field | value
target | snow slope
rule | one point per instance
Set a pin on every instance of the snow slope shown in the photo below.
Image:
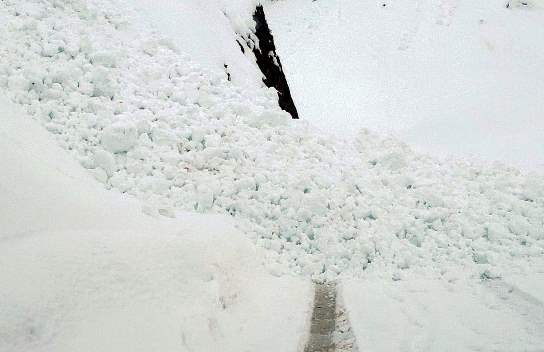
(82, 269)
(450, 77)
(206, 30)
(149, 122)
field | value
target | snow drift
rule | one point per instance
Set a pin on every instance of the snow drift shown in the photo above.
(83, 269)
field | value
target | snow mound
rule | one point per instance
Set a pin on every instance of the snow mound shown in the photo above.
(149, 122)
(83, 269)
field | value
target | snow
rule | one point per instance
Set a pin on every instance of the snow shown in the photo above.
(119, 137)
(83, 269)
(206, 29)
(428, 315)
(528, 279)
(430, 254)
(183, 137)
(449, 77)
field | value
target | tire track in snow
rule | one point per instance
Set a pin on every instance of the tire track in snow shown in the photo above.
(330, 330)
(521, 302)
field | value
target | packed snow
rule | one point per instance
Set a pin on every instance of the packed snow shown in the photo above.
(449, 77)
(429, 315)
(147, 121)
(82, 269)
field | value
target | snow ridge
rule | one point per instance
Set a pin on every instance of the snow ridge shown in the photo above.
(147, 121)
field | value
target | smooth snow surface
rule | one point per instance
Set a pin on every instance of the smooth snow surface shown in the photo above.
(206, 30)
(418, 314)
(529, 279)
(149, 122)
(82, 269)
(449, 77)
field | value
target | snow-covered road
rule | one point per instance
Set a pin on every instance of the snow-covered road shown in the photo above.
(429, 315)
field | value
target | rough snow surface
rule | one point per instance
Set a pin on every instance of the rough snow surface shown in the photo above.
(82, 269)
(147, 121)
(449, 77)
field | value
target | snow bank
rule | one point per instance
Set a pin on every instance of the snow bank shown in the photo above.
(83, 269)
(148, 122)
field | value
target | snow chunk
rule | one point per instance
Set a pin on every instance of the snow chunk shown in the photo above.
(105, 160)
(119, 137)
(204, 198)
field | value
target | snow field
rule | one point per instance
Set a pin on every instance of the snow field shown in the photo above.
(147, 121)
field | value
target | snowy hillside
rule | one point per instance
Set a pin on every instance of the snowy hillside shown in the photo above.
(149, 122)
(450, 77)
(185, 203)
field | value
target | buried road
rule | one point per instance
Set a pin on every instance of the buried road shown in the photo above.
(330, 329)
